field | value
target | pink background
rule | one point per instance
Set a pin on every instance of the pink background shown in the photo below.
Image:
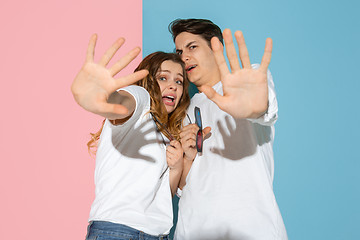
(46, 176)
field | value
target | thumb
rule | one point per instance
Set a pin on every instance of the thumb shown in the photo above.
(206, 132)
(130, 79)
(210, 94)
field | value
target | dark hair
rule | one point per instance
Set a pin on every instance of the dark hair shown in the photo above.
(203, 27)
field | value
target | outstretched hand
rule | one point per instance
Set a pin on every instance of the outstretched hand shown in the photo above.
(95, 83)
(245, 90)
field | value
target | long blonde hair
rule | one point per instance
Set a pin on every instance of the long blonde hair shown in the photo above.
(173, 121)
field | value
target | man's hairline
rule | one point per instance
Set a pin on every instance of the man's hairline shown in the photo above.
(208, 42)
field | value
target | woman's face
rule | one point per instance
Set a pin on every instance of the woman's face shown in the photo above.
(170, 79)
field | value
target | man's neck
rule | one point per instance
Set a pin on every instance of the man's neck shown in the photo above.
(210, 79)
(209, 83)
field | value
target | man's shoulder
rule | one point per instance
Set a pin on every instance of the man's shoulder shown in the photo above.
(198, 100)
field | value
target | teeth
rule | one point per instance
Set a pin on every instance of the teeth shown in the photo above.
(170, 97)
(191, 67)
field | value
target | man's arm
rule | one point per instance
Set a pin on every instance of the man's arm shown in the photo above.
(270, 116)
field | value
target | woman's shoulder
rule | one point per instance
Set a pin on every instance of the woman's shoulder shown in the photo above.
(140, 94)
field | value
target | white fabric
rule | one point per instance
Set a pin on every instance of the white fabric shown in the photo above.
(129, 162)
(229, 189)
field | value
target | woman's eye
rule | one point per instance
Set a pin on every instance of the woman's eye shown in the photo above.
(162, 78)
(179, 82)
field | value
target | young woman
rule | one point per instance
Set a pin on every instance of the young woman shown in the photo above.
(139, 159)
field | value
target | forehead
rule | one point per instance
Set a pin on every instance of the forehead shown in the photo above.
(185, 38)
(170, 66)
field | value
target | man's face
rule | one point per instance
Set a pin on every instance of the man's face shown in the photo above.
(199, 59)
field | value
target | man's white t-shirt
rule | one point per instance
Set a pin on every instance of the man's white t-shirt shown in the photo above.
(130, 160)
(229, 188)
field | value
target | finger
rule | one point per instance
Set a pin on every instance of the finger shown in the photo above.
(267, 56)
(175, 144)
(189, 136)
(169, 149)
(211, 94)
(111, 52)
(206, 131)
(129, 79)
(217, 48)
(91, 48)
(185, 139)
(124, 61)
(230, 50)
(243, 52)
(190, 143)
(169, 156)
(191, 130)
(171, 152)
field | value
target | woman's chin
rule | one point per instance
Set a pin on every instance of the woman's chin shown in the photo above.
(169, 109)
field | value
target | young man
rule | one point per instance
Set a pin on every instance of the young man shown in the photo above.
(227, 193)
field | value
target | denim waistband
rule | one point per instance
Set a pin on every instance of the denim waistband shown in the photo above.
(120, 228)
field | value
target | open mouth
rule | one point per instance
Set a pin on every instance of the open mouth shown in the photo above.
(190, 68)
(169, 98)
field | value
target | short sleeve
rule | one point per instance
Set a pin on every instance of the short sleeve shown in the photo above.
(142, 101)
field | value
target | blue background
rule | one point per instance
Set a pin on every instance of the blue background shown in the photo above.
(315, 65)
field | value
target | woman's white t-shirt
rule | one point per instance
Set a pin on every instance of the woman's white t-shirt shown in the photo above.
(130, 186)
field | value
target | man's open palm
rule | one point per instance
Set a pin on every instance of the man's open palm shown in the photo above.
(245, 90)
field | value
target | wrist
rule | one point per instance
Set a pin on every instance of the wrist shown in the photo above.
(177, 169)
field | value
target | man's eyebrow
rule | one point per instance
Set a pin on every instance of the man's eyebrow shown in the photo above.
(186, 46)
(190, 43)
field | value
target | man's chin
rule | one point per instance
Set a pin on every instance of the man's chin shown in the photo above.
(193, 79)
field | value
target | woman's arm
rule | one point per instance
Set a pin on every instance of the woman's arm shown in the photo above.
(125, 99)
(188, 143)
(174, 158)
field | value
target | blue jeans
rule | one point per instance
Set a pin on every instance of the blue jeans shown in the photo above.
(101, 230)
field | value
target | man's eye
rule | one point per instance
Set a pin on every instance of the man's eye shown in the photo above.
(179, 52)
(192, 47)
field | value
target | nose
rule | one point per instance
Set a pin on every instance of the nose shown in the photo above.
(172, 85)
(185, 57)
